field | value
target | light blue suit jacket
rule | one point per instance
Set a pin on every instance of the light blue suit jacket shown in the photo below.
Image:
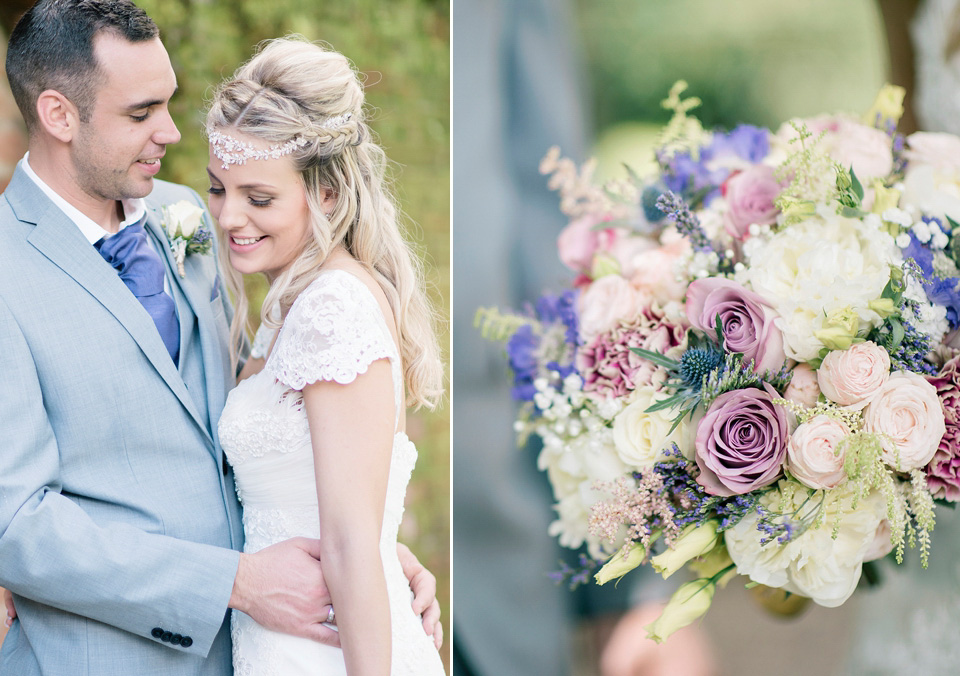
(118, 523)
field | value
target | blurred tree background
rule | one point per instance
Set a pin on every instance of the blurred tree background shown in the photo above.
(752, 61)
(401, 47)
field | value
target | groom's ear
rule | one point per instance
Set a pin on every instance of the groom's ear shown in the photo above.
(57, 115)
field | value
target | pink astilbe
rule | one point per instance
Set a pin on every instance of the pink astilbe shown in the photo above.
(645, 508)
(943, 472)
(609, 368)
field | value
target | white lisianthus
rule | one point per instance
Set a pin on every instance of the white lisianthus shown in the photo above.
(819, 267)
(641, 437)
(689, 602)
(695, 540)
(814, 563)
(182, 219)
(621, 563)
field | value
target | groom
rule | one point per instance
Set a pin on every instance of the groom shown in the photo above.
(119, 523)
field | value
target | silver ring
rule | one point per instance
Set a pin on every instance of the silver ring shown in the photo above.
(330, 616)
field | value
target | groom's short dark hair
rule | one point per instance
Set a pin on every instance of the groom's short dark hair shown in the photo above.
(51, 47)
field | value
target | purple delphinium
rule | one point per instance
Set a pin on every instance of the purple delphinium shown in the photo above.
(522, 356)
(525, 347)
(943, 291)
(744, 141)
(562, 308)
(701, 179)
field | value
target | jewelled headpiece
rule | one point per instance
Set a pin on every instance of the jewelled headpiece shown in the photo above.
(230, 150)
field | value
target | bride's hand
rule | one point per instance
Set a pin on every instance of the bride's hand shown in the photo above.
(11, 610)
(424, 586)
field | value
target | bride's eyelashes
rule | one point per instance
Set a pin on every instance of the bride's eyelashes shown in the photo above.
(265, 202)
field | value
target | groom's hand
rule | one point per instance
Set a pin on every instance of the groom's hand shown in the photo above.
(282, 588)
(11, 609)
(424, 586)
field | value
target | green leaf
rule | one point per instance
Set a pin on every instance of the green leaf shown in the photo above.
(896, 331)
(855, 185)
(655, 357)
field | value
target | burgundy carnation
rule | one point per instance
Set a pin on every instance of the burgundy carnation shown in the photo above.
(943, 472)
(607, 365)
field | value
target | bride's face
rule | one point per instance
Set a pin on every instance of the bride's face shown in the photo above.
(262, 208)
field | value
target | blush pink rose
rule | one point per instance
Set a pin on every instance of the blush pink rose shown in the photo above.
(750, 195)
(813, 455)
(803, 388)
(941, 151)
(853, 377)
(605, 303)
(852, 143)
(579, 242)
(653, 271)
(747, 321)
(907, 415)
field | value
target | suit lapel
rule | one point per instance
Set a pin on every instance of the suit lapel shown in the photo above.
(197, 297)
(185, 307)
(57, 238)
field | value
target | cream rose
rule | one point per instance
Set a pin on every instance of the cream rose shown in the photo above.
(813, 455)
(907, 415)
(853, 377)
(641, 437)
(182, 218)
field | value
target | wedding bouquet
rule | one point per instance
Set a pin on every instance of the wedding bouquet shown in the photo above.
(753, 371)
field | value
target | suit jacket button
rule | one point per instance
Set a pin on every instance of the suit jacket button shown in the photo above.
(175, 639)
(186, 642)
(167, 635)
(157, 632)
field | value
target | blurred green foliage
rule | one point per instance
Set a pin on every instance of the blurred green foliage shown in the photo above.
(402, 49)
(750, 61)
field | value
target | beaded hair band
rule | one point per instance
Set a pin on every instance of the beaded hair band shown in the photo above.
(230, 150)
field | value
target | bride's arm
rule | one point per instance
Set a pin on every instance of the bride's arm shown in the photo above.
(351, 428)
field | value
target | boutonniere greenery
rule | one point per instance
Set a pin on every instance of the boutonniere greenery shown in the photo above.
(187, 231)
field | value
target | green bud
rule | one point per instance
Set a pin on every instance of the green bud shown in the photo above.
(621, 563)
(694, 541)
(689, 602)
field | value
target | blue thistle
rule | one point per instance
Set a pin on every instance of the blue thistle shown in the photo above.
(697, 363)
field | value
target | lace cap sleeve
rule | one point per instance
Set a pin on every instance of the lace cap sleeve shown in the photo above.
(334, 331)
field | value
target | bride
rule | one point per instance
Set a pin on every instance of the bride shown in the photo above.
(315, 428)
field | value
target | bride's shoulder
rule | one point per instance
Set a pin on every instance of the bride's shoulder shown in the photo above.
(346, 284)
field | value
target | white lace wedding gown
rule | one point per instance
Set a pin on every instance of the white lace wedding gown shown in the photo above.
(334, 331)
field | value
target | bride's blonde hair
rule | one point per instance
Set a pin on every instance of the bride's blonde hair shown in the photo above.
(294, 90)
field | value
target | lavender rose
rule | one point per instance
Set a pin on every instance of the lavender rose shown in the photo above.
(741, 442)
(750, 195)
(943, 472)
(747, 320)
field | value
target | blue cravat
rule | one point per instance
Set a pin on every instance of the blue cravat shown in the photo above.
(140, 268)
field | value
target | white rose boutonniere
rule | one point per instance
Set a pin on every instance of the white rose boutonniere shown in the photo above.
(187, 231)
